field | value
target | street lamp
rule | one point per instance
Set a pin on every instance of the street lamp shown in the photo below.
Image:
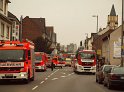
(122, 49)
(86, 40)
(96, 45)
(97, 22)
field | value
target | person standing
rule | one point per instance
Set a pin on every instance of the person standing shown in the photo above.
(52, 66)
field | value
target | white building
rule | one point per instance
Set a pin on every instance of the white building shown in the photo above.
(5, 23)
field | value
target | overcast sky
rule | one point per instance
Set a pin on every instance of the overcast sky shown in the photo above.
(71, 19)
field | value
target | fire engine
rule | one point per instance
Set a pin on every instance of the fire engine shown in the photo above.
(57, 62)
(86, 61)
(17, 60)
(40, 62)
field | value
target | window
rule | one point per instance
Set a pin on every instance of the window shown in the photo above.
(12, 55)
(1, 5)
(2, 29)
(7, 33)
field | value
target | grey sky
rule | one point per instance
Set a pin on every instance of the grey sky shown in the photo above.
(71, 18)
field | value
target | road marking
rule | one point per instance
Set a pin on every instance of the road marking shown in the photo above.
(63, 73)
(72, 73)
(34, 88)
(42, 82)
(63, 76)
(46, 78)
(54, 72)
(54, 78)
(69, 74)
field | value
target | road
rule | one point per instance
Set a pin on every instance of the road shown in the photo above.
(59, 80)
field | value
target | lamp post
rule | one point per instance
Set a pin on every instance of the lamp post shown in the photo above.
(122, 49)
(96, 22)
(86, 40)
(96, 32)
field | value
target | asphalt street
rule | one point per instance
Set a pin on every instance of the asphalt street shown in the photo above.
(59, 80)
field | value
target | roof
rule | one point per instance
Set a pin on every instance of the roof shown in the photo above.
(107, 34)
(113, 13)
(40, 22)
(12, 17)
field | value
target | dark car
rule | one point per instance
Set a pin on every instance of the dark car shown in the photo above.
(101, 72)
(115, 77)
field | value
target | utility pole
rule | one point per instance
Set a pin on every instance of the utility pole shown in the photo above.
(20, 33)
(86, 41)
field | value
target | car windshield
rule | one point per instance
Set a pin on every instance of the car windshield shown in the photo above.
(118, 70)
(87, 55)
(107, 68)
(39, 58)
(12, 55)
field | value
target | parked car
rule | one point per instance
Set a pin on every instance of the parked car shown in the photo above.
(115, 77)
(101, 72)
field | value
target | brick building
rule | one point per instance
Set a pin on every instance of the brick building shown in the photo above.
(35, 30)
(32, 28)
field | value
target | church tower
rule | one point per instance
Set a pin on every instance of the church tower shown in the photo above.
(113, 19)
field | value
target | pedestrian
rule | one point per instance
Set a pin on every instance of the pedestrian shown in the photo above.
(52, 66)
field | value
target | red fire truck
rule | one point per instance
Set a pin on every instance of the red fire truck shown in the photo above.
(86, 61)
(57, 62)
(17, 60)
(40, 62)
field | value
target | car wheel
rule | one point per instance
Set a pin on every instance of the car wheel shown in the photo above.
(28, 79)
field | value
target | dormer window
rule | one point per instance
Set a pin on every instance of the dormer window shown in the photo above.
(1, 5)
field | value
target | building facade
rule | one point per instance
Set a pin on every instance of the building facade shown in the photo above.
(5, 23)
(16, 32)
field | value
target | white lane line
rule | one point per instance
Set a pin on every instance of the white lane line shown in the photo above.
(54, 78)
(34, 88)
(54, 72)
(51, 74)
(72, 73)
(63, 76)
(42, 82)
(69, 74)
(46, 78)
(63, 73)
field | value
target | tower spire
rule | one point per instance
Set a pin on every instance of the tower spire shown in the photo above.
(113, 13)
